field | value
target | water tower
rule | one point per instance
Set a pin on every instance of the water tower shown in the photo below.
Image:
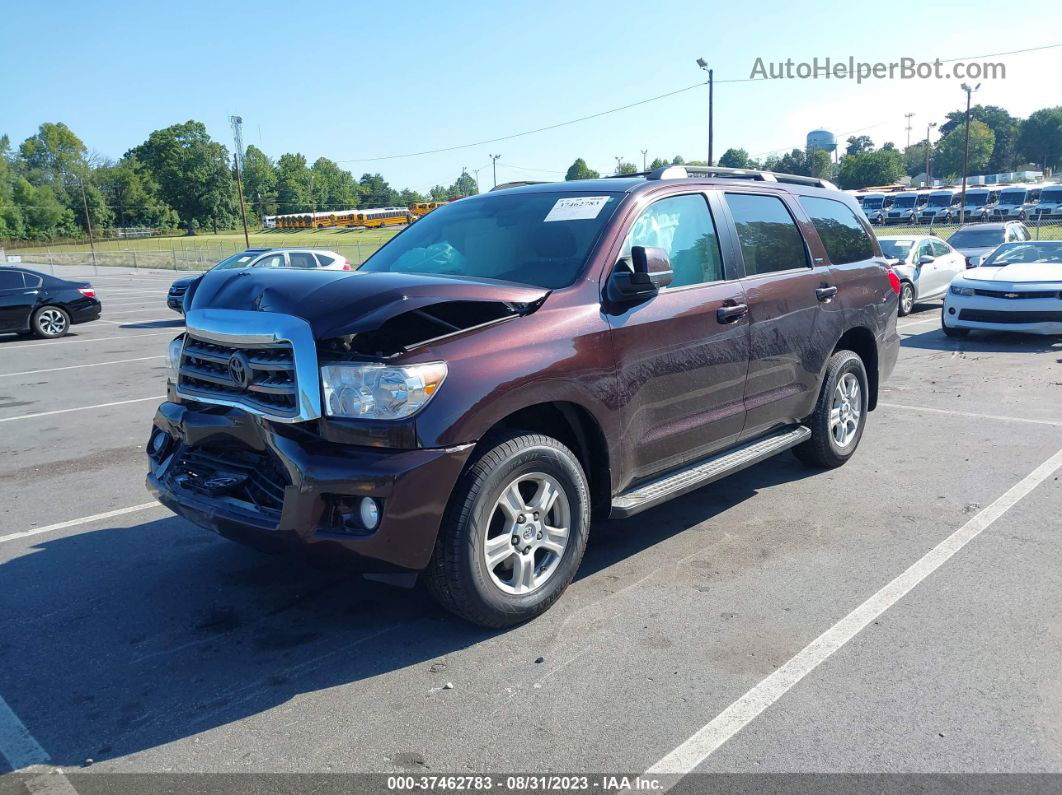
(824, 140)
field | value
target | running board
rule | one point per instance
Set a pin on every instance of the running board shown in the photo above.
(706, 471)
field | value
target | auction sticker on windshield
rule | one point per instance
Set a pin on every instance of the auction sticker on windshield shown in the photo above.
(579, 208)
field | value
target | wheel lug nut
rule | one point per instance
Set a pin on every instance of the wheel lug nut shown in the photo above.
(536, 516)
(521, 519)
(516, 540)
(540, 536)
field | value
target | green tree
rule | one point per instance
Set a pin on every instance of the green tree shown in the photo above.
(579, 170)
(658, 162)
(677, 160)
(259, 181)
(734, 158)
(795, 162)
(194, 174)
(44, 215)
(623, 167)
(375, 192)
(333, 188)
(134, 195)
(293, 184)
(914, 159)
(439, 193)
(819, 164)
(949, 156)
(858, 144)
(883, 167)
(1004, 127)
(408, 196)
(11, 222)
(1040, 140)
(464, 186)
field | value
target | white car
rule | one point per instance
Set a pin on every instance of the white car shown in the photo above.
(1017, 288)
(976, 241)
(925, 264)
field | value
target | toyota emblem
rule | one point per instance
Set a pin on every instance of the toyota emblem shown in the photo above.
(240, 370)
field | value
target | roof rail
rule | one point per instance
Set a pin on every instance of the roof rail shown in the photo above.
(517, 184)
(686, 172)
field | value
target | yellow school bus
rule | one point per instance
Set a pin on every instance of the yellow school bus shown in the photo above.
(420, 209)
(383, 216)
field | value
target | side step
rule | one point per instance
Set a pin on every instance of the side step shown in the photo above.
(709, 470)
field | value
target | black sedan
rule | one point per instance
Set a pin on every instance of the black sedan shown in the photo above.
(36, 303)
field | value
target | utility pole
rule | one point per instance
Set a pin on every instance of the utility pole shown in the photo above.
(908, 117)
(494, 163)
(704, 65)
(88, 220)
(966, 150)
(929, 148)
(644, 153)
(237, 139)
(619, 160)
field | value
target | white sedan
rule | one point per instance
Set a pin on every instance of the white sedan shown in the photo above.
(925, 264)
(1017, 288)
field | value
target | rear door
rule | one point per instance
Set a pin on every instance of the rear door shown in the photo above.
(16, 301)
(681, 355)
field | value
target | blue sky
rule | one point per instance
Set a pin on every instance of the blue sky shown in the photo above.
(329, 80)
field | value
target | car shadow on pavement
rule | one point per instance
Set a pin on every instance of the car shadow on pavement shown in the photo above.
(984, 342)
(125, 639)
(177, 323)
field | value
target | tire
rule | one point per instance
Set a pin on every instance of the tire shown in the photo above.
(949, 331)
(907, 299)
(516, 465)
(824, 449)
(50, 322)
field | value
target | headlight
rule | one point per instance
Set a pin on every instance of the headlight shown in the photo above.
(957, 290)
(174, 358)
(379, 392)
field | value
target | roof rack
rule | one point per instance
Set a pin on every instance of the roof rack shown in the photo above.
(517, 184)
(686, 172)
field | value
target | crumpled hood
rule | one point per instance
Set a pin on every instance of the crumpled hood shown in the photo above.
(1019, 272)
(338, 303)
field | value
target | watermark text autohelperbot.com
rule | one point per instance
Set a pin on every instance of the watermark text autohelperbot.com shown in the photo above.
(851, 69)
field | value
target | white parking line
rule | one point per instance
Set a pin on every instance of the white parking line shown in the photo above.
(78, 366)
(17, 745)
(10, 347)
(128, 320)
(919, 322)
(133, 311)
(738, 715)
(971, 414)
(99, 517)
(79, 408)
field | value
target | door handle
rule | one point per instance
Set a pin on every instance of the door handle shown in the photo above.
(728, 314)
(824, 294)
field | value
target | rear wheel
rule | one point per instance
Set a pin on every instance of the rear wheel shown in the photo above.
(514, 532)
(50, 322)
(907, 299)
(840, 413)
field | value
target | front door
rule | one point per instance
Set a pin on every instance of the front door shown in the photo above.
(16, 301)
(681, 355)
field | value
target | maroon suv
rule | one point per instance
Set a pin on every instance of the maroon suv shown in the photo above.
(518, 362)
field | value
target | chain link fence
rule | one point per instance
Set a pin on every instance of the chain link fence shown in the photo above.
(1038, 230)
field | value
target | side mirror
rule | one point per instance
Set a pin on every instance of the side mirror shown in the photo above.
(925, 259)
(975, 262)
(650, 272)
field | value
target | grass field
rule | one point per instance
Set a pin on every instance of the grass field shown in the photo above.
(203, 251)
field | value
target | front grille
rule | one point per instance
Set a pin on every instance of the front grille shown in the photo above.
(1013, 295)
(994, 316)
(260, 377)
(178, 290)
(241, 474)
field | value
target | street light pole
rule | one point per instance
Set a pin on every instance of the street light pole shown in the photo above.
(494, 163)
(704, 65)
(929, 177)
(243, 208)
(966, 150)
(644, 153)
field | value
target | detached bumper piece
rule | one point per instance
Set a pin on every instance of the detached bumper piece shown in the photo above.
(281, 487)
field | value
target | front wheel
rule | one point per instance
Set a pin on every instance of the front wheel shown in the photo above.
(840, 413)
(907, 299)
(950, 331)
(514, 532)
(51, 322)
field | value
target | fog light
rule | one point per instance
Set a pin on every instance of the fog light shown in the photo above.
(159, 442)
(951, 310)
(369, 511)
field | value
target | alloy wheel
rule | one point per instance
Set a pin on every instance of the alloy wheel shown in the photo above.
(51, 322)
(846, 410)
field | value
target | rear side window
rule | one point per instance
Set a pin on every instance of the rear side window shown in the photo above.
(272, 261)
(683, 227)
(770, 240)
(325, 261)
(32, 279)
(841, 233)
(301, 259)
(10, 280)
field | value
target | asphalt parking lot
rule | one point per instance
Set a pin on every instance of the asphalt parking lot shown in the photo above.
(131, 638)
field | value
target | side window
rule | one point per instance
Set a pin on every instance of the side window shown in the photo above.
(1023, 233)
(10, 280)
(925, 249)
(301, 259)
(770, 240)
(683, 227)
(325, 261)
(940, 249)
(841, 233)
(272, 261)
(32, 279)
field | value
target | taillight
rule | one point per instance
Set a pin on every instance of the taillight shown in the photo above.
(894, 281)
(346, 266)
(88, 292)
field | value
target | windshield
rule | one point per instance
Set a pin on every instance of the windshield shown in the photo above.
(1051, 196)
(1010, 253)
(896, 249)
(872, 204)
(1012, 197)
(904, 201)
(976, 199)
(976, 238)
(939, 201)
(241, 260)
(541, 239)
